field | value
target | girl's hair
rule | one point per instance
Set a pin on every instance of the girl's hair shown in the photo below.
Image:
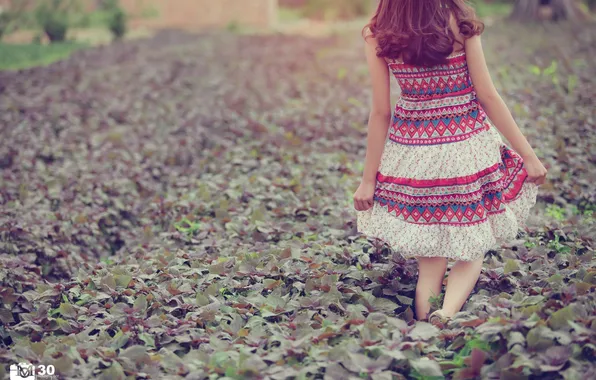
(420, 31)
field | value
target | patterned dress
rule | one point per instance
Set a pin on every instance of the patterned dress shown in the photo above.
(447, 185)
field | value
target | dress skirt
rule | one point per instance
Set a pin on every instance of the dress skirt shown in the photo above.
(455, 200)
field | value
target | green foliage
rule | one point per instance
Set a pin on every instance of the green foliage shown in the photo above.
(116, 18)
(459, 360)
(188, 227)
(149, 12)
(436, 301)
(53, 16)
(556, 212)
(88, 19)
(289, 14)
(6, 20)
(37, 39)
(11, 17)
(233, 26)
(337, 9)
(564, 84)
(118, 23)
(22, 56)
(492, 8)
(556, 245)
(55, 26)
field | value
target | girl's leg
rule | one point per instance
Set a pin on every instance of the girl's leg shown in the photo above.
(431, 272)
(460, 283)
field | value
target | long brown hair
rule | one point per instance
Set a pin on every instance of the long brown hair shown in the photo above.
(419, 31)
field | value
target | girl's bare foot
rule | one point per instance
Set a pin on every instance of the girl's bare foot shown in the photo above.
(438, 319)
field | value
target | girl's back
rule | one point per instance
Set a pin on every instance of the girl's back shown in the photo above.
(437, 104)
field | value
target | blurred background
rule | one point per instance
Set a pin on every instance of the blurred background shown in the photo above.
(77, 23)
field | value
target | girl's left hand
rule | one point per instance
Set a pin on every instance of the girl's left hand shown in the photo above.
(363, 197)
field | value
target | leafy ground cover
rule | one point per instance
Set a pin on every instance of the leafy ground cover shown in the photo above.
(179, 207)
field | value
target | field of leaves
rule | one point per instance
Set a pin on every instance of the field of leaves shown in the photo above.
(179, 207)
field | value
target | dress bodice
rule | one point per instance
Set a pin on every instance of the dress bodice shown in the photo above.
(438, 104)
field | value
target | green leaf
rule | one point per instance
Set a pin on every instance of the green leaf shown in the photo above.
(572, 81)
(423, 331)
(135, 353)
(84, 299)
(218, 359)
(123, 280)
(67, 310)
(384, 305)
(119, 340)
(552, 69)
(231, 372)
(148, 339)
(540, 338)
(202, 299)
(141, 303)
(555, 279)
(114, 372)
(186, 226)
(108, 281)
(532, 300)
(404, 300)
(355, 102)
(590, 277)
(62, 364)
(6, 316)
(510, 266)
(560, 318)
(64, 325)
(535, 70)
(427, 367)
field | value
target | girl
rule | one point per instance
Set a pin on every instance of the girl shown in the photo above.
(443, 185)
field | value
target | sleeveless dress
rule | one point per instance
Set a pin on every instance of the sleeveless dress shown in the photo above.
(447, 185)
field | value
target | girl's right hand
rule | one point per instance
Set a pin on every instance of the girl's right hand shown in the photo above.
(536, 171)
(363, 198)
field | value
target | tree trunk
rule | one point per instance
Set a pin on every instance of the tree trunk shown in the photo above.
(540, 10)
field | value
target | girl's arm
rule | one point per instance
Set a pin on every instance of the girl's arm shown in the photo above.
(378, 124)
(491, 101)
(497, 110)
